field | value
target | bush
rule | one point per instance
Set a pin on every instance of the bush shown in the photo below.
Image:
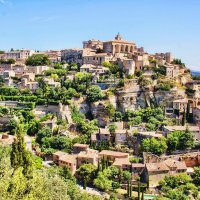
(38, 60)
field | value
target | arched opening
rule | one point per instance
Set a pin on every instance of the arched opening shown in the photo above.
(117, 48)
(122, 48)
(126, 49)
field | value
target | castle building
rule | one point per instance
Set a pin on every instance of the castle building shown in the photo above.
(119, 45)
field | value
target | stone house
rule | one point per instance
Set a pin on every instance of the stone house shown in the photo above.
(103, 135)
(122, 163)
(29, 76)
(68, 161)
(31, 85)
(155, 172)
(77, 148)
(93, 44)
(94, 69)
(112, 155)
(57, 155)
(141, 60)
(180, 104)
(137, 169)
(18, 54)
(96, 59)
(172, 71)
(88, 156)
(120, 136)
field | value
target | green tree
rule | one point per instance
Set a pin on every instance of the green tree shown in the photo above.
(86, 173)
(196, 176)
(112, 128)
(94, 93)
(38, 60)
(44, 132)
(180, 140)
(20, 157)
(110, 109)
(102, 182)
(156, 146)
(12, 126)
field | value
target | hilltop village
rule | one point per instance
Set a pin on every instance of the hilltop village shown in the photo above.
(119, 123)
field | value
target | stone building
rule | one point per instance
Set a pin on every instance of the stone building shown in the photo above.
(122, 163)
(155, 172)
(180, 104)
(119, 45)
(141, 60)
(112, 155)
(172, 71)
(77, 148)
(54, 56)
(93, 44)
(96, 58)
(86, 157)
(18, 54)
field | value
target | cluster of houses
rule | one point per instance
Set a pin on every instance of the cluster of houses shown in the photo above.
(152, 169)
(130, 58)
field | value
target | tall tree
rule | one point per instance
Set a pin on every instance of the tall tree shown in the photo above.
(183, 118)
(86, 172)
(20, 157)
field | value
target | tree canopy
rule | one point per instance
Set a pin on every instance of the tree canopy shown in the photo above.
(38, 60)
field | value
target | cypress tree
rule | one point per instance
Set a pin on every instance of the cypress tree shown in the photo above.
(139, 190)
(20, 157)
(188, 112)
(183, 118)
(128, 189)
(142, 194)
(131, 188)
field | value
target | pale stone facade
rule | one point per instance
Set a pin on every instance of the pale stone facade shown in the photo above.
(93, 44)
(172, 71)
(118, 45)
(180, 104)
(19, 54)
(96, 59)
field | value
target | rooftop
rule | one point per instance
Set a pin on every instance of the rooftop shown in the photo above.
(121, 161)
(89, 153)
(180, 101)
(113, 153)
(150, 133)
(182, 128)
(68, 158)
(81, 145)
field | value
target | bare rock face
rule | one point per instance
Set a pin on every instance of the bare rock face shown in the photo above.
(98, 110)
(130, 99)
(127, 97)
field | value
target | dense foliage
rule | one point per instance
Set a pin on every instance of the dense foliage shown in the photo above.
(38, 60)
(178, 187)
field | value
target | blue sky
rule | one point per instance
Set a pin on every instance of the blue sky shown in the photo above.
(158, 25)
